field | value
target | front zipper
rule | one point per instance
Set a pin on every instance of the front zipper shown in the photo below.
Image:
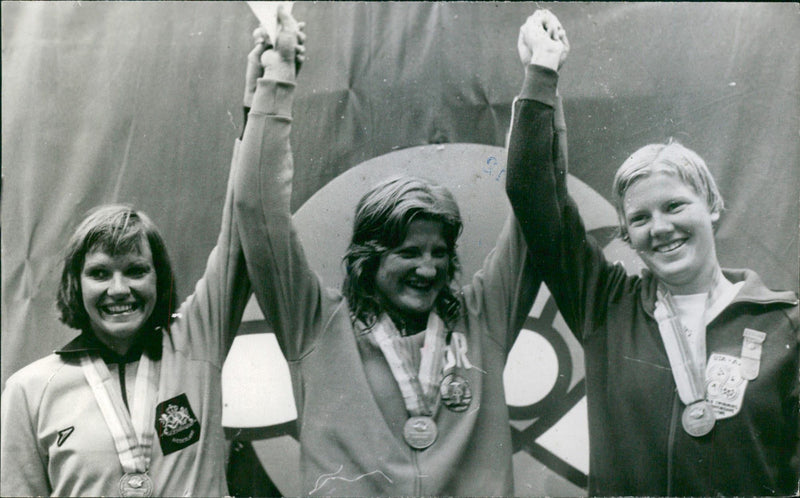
(671, 440)
(417, 479)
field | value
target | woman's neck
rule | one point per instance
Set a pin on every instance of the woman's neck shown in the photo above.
(704, 283)
(408, 324)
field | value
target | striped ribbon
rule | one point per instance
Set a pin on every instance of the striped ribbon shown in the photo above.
(420, 389)
(132, 434)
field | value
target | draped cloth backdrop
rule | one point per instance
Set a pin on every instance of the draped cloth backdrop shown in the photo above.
(140, 102)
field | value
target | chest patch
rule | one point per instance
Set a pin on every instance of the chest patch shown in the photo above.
(725, 385)
(176, 425)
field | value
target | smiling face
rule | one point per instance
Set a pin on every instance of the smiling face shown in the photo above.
(670, 227)
(119, 294)
(411, 275)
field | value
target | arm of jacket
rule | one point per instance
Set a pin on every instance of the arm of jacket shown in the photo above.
(213, 313)
(287, 290)
(504, 288)
(571, 262)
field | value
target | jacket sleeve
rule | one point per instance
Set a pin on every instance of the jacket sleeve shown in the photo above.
(504, 288)
(212, 314)
(571, 263)
(23, 464)
(288, 292)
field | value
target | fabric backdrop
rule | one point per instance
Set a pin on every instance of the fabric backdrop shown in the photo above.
(140, 102)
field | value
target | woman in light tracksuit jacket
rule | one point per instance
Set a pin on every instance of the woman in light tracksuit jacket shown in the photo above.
(132, 406)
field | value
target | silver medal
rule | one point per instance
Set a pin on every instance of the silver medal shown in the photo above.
(698, 418)
(420, 432)
(135, 484)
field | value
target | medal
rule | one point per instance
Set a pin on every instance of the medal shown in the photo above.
(420, 432)
(456, 393)
(687, 371)
(420, 389)
(698, 419)
(132, 432)
(135, 484)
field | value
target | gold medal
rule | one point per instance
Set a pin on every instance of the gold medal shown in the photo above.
(135, 484)
(420, 432)
(698, 418)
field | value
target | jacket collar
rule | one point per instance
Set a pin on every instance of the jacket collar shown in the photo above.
(87, 342)
(753, 290)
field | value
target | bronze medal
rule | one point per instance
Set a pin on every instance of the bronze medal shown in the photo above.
(698, 418)
(135, 484)
(455, 392)
(420, 432)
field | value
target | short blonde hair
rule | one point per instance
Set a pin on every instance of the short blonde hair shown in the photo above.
(671, 158)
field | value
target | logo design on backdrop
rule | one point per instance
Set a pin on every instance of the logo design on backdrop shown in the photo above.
(546, 412)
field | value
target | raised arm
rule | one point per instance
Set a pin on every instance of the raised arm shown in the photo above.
(537, 145)
(212, 314)
(536, 181)
(286, 289)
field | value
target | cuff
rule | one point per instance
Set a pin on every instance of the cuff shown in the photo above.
(540, 84)
(273, 97)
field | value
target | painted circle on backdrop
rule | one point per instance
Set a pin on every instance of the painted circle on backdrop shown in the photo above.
(546, 362)
(535, 364)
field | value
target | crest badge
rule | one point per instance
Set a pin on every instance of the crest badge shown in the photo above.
(456, 392)
(176, 425)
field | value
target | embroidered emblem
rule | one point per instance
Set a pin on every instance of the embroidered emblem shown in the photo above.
(725, 385)
(63, 434)
(176, 425)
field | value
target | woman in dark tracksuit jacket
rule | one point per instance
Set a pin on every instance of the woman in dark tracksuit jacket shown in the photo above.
(644, 440)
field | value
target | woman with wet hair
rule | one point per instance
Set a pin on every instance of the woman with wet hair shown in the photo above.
(398, 377)
(691, 369)
(132, 406)
(382, 216)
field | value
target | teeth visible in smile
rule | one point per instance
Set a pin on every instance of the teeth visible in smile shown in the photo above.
(119, 308)
(669, 247)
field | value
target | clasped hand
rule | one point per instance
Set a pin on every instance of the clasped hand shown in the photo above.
(280, 60)
(543, 41)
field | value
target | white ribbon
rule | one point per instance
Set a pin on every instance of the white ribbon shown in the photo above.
(688, 369)
(420, 390)
(132, 432)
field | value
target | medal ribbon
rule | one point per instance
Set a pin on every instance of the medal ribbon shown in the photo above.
(132, 434)
(419, 389)
(689, 375)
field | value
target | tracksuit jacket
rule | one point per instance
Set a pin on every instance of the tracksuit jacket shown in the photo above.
(350, 409)
(55, 440)
(637, 444)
